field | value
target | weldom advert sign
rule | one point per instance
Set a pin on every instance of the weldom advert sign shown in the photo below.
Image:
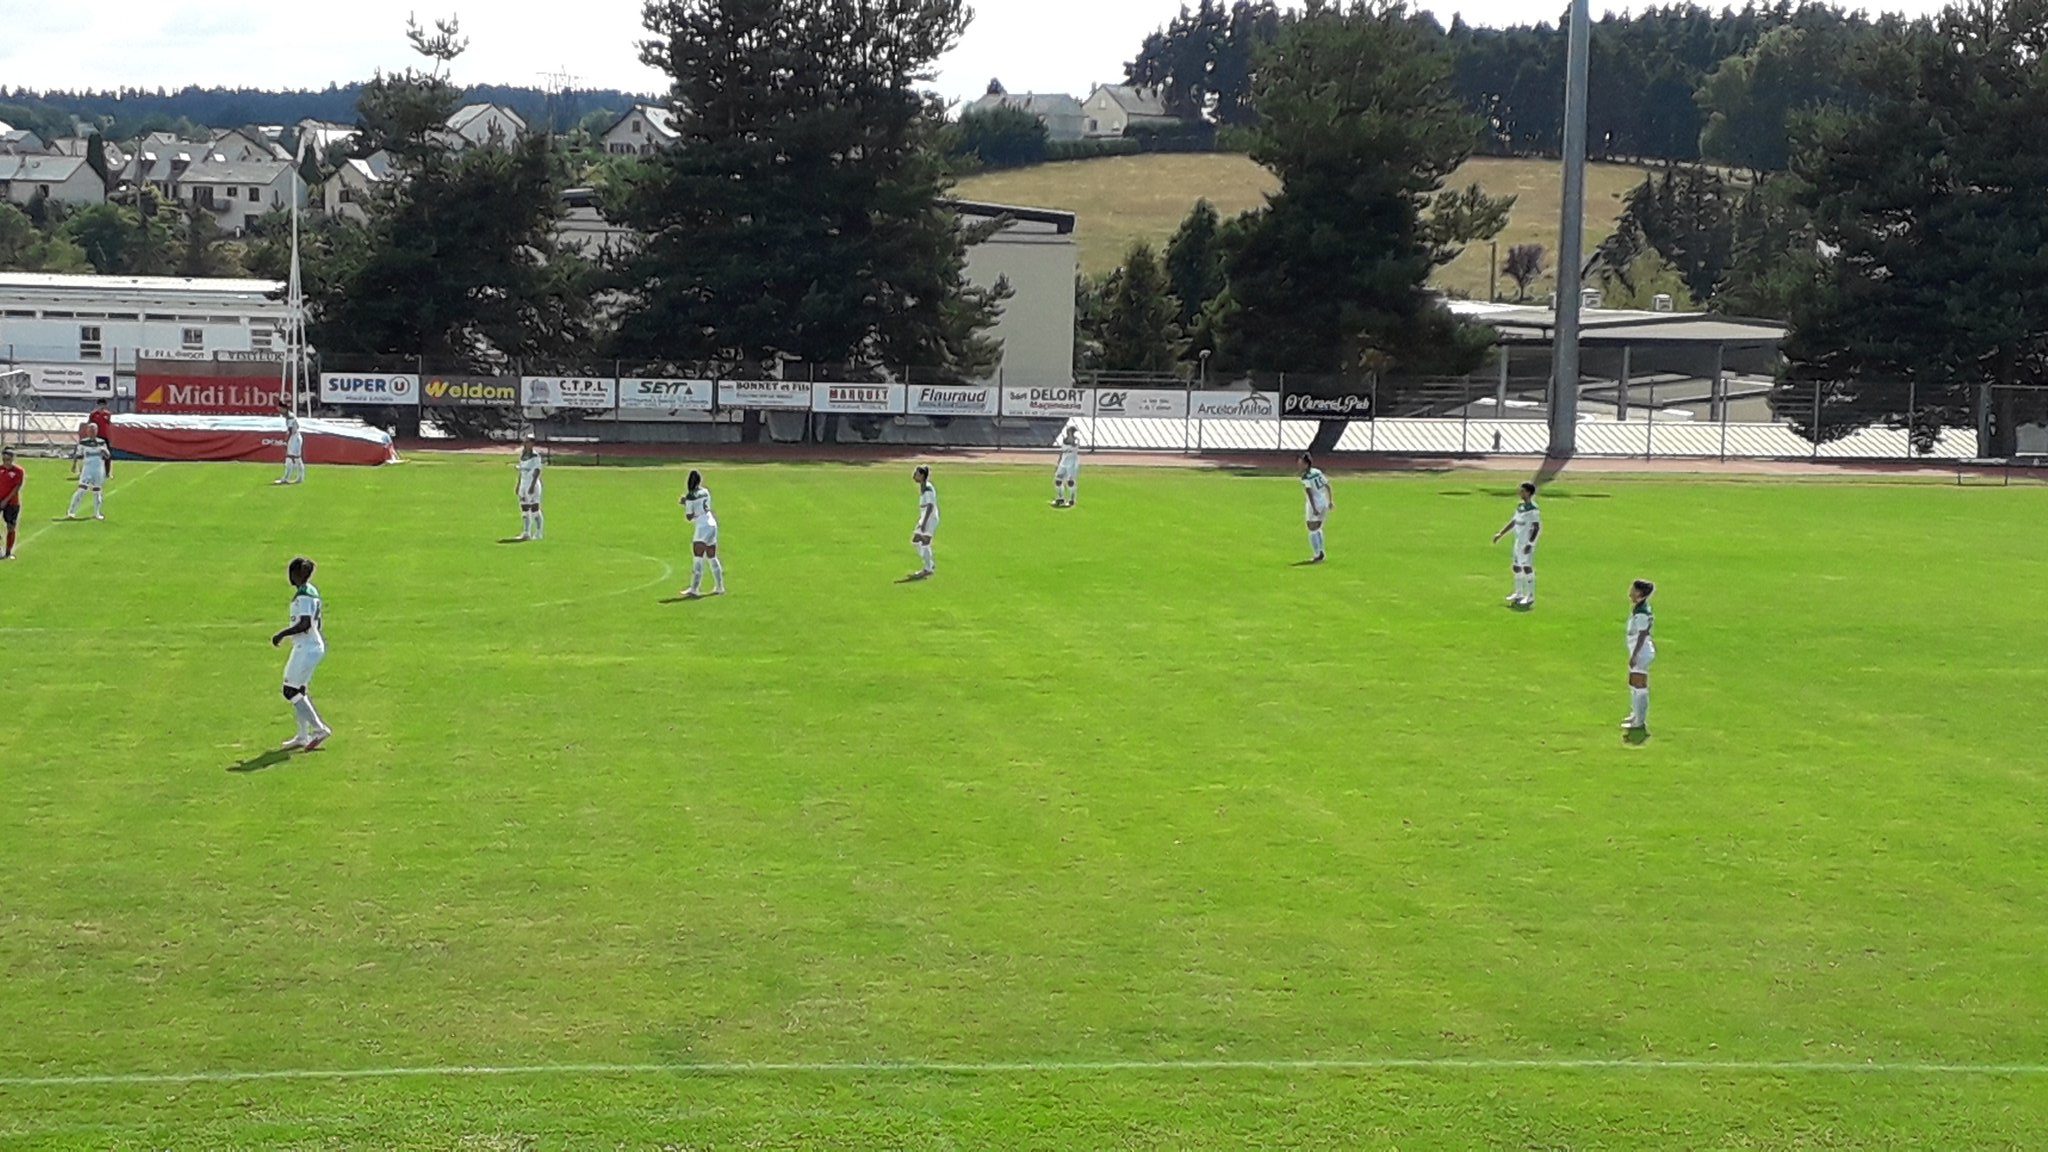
(1344, 406)
(1050, 402)
(586, 392)
(954, 400)
(1141, 404)
(780, 395)
(470, 391)
(194, 387)
(648, 394)
(393, 388)
(1233, 405)
(871, 399)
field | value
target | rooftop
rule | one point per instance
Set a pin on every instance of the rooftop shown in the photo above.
(66, 282)
(1622, 326)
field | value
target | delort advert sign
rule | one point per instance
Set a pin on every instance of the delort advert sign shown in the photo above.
(206, 387)
(1050, 402)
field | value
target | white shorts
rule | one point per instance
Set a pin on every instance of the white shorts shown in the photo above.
(1310, 515)
(1065, 474)
(294, 449)
(530, 500)
(707, 535)
(298, 671)
(1525, 555)
(1641, 663)
(92, 476)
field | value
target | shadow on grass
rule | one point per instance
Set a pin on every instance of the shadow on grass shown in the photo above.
(1636, 737)
(258, 763)
(914, 578)
(679, 598)
(516, 540)
(1310, 563)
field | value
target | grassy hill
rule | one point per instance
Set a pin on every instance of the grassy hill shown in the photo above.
(1122, 199)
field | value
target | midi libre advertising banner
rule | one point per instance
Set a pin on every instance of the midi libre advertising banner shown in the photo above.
(208, 387)
(470, 391)
(400, 389)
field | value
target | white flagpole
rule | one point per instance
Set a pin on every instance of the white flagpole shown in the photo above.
(295, 300)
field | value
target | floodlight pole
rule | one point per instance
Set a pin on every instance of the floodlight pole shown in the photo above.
(1564, 375)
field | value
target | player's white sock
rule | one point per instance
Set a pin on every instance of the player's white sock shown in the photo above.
(1315, 541)
(1639, 706)
(309, 720)
(540, 524)
(696, 573)
(1529, 584)
(718, 573)
(99, 501)
(77, 498)
(924, 553)
(1073, 491)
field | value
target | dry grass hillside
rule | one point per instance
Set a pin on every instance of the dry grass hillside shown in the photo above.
(1122, 199)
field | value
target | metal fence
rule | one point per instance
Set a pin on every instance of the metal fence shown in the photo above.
(1722, 418)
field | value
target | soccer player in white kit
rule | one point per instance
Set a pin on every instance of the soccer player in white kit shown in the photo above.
(927, 522)
(89, 463)
(309, 647)
(1317, 502)
(294, 452)
(1066, 479)
(1527, 525)
(532, 524)
(1642, 652)
(704, 540)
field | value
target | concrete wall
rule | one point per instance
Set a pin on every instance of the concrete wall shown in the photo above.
(1037, 324)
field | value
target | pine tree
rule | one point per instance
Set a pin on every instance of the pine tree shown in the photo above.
(1929, 307)
(802, 213)
(1136, 328)
(1194, 262)
(1357, 119)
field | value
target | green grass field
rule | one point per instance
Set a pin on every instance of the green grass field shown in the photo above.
(1124, 199)
(1123, 833)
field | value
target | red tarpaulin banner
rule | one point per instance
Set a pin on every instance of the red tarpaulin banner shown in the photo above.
(243, 387)
(257, 438)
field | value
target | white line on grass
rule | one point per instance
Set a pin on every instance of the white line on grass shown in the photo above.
(1043, 1068)
(111, 489)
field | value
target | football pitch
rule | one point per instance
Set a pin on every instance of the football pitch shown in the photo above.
(1123, 832)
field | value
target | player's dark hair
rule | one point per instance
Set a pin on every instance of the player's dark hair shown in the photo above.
(300, 570)
(696, 479)
(1308, 460)
(1645, 587)
(1528, 488)
(923, 472)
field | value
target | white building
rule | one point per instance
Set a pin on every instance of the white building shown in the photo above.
(320, 135)
(1112, 110)
(350, 189)
(244, 144)
(55, 319)
(64, 179)
(1060, 113)
(643, 131)
(237, 193)
(484, 126)
(1037, 255)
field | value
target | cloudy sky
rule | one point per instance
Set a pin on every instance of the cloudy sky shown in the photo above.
(1037, 45)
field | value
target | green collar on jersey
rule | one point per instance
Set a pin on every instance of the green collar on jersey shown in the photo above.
(308, 590)
(1641, 609)
(1527, 506)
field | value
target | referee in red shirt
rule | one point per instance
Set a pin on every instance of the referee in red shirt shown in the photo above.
(102, 421)
(11, 480)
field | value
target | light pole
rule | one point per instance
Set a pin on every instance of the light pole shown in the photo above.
(1564, 371)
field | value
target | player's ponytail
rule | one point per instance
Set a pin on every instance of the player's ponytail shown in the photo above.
(1646, 588)
(696, 480)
